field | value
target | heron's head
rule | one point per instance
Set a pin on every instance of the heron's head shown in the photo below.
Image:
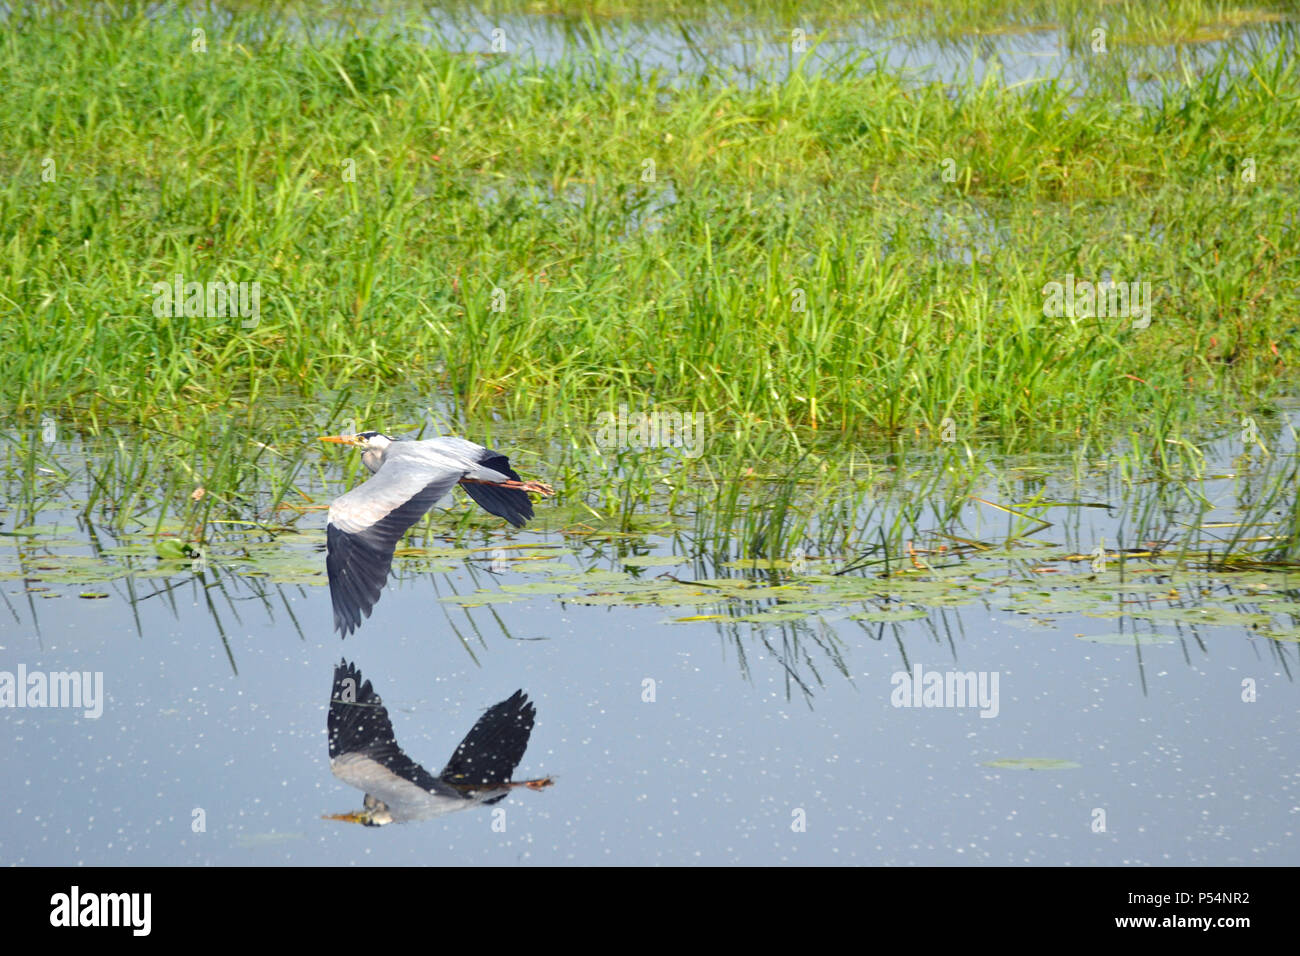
(375, 814)
(373, 445)
(369, 441)
(368, 818)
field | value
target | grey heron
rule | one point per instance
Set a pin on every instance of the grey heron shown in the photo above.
(409, 478)
(365, 755)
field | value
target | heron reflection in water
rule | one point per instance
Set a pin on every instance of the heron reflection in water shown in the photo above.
(365, 755)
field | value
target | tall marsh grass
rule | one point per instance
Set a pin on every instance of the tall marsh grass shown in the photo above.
(817, 262)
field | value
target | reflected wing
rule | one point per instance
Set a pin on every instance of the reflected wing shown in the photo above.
(494, 746)
(365, 525)
(509, 503)
(364, 753)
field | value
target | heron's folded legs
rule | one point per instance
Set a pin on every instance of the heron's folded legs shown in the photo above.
(534, 486)
(538, 784)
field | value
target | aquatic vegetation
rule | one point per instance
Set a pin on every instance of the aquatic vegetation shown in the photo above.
(850, 252)
(830, 341)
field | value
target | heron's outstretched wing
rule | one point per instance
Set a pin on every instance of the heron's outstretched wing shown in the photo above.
(365, 525)
(364, 752)
(494, 746)
(509, 503)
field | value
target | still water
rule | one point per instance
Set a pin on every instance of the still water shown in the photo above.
(684, 719)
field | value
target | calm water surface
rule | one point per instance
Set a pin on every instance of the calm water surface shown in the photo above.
(676, 734)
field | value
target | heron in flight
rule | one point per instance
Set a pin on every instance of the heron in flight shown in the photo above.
(365, 755)
(409, 478)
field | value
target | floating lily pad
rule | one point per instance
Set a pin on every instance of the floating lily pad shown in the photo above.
(286, 567)
(1209, 615)
(1146, 587)
(956, 598)
(594, 578)
(165, 569)
(628, 586)
(851, 590)
(540, 587)
(762, 564)
(661, 596)
(525, 552)
(480, 598)
(598, 600)
(773, 617)
(903, 614)
(141, 549)
(682, 595)
(1128, 640)
(814, 607)
(1064, 603)
(75, 569)
(653, 561)
(1280, 607)
(734, 584)
(541, 567)
(442, 554)
(45, 531)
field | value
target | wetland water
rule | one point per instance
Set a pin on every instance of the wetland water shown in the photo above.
(747, 52)
(690, 710)
(1040, 664)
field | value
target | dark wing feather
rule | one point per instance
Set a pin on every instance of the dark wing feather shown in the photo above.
(358, 561)
(359, 724)
(495, 744)
(509, 503)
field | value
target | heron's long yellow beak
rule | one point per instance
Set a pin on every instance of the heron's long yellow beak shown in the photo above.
(345, 817)
(342, 439)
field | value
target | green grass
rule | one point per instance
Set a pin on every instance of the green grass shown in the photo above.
(477, 176)
(229, 166)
